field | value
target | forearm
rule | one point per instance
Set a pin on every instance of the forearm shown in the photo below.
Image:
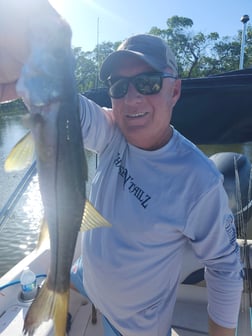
(224, 297)
(217, 330)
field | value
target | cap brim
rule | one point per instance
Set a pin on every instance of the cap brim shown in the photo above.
(116, 57)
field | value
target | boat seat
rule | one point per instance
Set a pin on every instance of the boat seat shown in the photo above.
(239, 190)
(195, 277)
(192, 271)
(226, 162)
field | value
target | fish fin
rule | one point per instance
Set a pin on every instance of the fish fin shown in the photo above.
(92, 218)
(44, 237)
(47, 305)
(21, 155)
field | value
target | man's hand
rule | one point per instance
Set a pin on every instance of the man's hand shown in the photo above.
(16, 20)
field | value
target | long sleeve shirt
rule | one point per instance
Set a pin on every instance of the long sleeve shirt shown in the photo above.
(157, 201)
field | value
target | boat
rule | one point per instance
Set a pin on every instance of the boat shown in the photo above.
(189, 319)
(211, 110)
(190, 315)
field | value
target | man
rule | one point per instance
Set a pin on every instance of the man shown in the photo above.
(159, 192)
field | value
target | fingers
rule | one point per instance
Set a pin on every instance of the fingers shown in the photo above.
(8, 92)
(16, 20)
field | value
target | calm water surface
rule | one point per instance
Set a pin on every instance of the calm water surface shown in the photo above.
(19, 234)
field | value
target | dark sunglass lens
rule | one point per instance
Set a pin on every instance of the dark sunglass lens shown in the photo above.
(119, 88)
(148, 84)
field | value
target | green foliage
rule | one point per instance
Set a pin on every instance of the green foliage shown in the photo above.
(201, 54)
(85, 71)
(248, 49)
(198, 54)
(88, 65)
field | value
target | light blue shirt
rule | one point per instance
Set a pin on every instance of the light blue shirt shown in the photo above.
(156, 201)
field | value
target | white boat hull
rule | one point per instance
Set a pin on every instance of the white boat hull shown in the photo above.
(190, 315)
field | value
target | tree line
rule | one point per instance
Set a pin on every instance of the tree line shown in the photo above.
(197, 54)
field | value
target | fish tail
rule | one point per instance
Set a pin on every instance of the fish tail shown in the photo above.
(48, 305)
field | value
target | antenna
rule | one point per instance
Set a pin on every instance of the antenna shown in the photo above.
(97, 54)
(244, 20)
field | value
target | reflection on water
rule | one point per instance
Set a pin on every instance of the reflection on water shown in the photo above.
(20, 233)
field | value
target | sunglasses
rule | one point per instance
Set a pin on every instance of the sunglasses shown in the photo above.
(147, 83)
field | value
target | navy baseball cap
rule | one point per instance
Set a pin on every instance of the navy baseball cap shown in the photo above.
(150, 48)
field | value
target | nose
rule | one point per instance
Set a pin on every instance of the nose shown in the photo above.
(132, 96)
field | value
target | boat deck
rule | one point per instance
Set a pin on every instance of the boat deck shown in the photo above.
(11, 321)
(190, 316)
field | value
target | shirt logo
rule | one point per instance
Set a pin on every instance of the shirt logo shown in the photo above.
(130, 184)
(231, 231)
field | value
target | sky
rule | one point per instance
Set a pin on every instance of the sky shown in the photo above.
(97, 21)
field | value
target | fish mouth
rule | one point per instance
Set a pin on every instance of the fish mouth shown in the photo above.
(136, 115)
(43, 109)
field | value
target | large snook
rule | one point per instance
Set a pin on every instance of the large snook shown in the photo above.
(47, 85)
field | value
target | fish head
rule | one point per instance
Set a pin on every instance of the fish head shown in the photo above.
(43, 77)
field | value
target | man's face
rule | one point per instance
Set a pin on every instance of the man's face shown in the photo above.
(145, 119)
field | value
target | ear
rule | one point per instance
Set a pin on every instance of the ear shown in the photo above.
(176, 91)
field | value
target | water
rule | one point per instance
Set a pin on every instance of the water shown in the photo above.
(20, 233)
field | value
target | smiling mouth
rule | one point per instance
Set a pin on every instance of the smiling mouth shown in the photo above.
(136, 115)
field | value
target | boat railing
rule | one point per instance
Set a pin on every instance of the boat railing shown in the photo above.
(10, 204)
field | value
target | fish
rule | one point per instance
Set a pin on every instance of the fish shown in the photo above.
(48, 88)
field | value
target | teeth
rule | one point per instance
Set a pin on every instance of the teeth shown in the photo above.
(136, 115)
